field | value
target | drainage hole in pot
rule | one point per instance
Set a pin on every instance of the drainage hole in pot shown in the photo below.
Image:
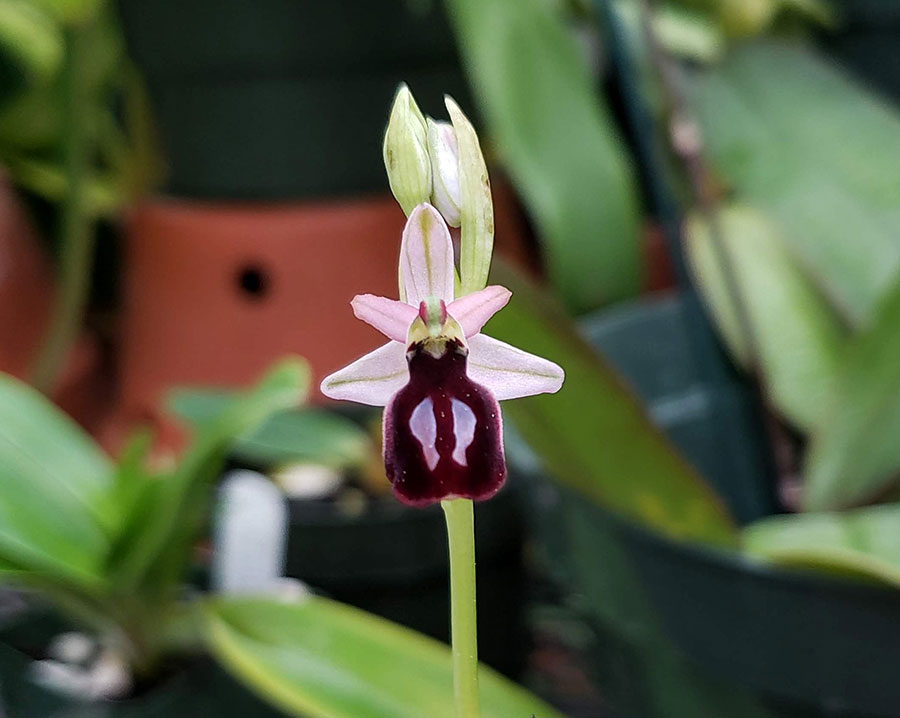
(253, 281)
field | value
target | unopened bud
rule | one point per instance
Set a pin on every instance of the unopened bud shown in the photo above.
(406, 152)
(444, 154)
(476, 235)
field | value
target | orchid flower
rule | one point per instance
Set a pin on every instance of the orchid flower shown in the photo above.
(439, 377)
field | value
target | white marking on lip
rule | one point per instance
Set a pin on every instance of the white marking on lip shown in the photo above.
(424, 428)
(464, 423)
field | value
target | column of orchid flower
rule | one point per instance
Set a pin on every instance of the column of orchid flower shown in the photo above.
(438, 377)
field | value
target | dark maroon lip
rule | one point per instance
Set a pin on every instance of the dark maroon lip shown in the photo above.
(443, 432)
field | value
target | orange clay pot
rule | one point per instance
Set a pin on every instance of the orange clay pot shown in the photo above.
(26, 300)
(26, 286)
(214, 293)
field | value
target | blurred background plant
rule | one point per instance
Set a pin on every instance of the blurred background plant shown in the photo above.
(108, 546)
(73, 131)
(742, 125)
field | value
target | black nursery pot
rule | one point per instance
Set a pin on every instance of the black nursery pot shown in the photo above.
(866, 39)
(688, 632)
(392, 561)
(199, 689)
(708, 414)
(280, 99)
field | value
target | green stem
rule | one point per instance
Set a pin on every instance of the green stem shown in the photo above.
(76, 241)
(461, 539)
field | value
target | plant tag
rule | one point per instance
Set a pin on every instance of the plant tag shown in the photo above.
(250, 533)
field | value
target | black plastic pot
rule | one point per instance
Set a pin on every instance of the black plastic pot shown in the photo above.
(866, 40)
(712, 422)
(200, 689)
(392, 561)
(279, 99)
(686, 632)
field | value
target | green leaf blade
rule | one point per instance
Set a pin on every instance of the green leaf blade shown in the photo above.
(798, 138)
(320, 658)
(32, 37)
(304, 435)
(593, 435)
(153, 550)
(798, 337)
(854, 454)
(558, 143)
(863, 543)
(54, 517)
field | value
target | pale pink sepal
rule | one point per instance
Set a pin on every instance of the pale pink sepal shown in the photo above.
(508, 372)
(426, 256)
(372, 379)
(473, 310)
(390, 317)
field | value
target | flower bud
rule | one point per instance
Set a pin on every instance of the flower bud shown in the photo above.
(476, 210)
(444, 154)
(406, 153)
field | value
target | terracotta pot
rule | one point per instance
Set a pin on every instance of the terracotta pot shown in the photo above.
(216, 292)
(26, 286)
(26, 301)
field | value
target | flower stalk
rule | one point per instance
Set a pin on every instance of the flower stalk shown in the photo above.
(460, 517)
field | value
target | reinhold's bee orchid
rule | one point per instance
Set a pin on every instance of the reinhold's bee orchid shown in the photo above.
(439, 377)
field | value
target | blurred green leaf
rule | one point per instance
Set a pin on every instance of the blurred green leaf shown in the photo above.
(558, 142)
(744, 18)
(799, 338)
(318, 658)
(864, 543)
(102, 194)
(153, 550)
(297, 435)
(54, 517)
(105, 62)
(73, 12)
(593, 435)
(685, 32)
(820, 11)
(855, 452)
(803, 142)
(31, 121)
(133, 484)
(32, 37)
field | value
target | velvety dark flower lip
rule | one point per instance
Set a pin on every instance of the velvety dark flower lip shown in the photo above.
(443, 436)
(439, 378)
